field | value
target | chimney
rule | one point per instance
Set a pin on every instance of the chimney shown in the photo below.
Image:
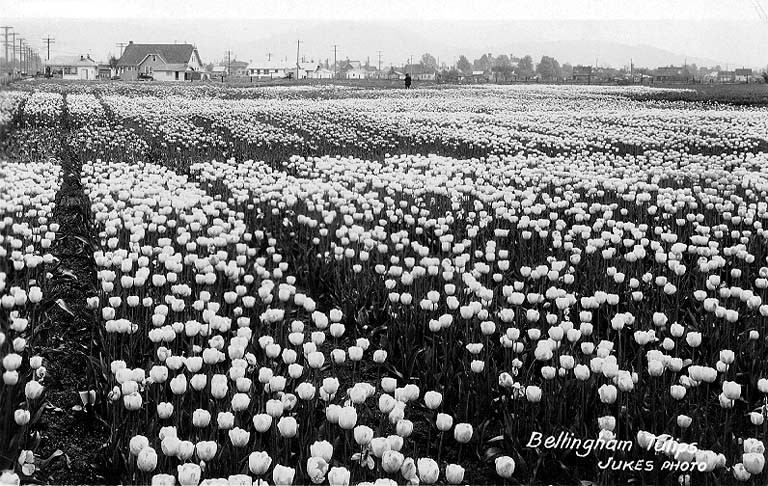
(130, 42)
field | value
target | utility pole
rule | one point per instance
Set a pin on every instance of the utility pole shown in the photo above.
(48, 41)
(229, 62)
(298, 43)
(269, 56)
(335, 64)
(13, 47)
(379, 52)
(21, 54)
(6, 28)
(121, 45)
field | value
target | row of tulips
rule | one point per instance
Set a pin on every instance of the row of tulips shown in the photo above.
(26, 233)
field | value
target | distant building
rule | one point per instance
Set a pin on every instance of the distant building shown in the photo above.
(420, 72)
(726, 77)
(582, 74)
(162, 62)
(75, 67)
(105, 71)
(669, 74)
(394, 74)
(642, 78)
(357, 73)
(269, 69)
(356, 70)
(742, 75)
(235, 68)
(321, 73)
(349, 65)
(307, 69)
(477, 76)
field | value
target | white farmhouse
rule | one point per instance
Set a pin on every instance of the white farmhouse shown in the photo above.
(76, 67)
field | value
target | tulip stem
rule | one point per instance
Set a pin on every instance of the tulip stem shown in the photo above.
(440, 447)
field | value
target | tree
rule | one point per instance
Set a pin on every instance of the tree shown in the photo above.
(485, 63)
(113, 62)
(451, 75)
(429, 62)
(567, 71)
(690, 71)
(548, 68)
(464, 65)
(209, 67)
(502, 67)
(525, 67)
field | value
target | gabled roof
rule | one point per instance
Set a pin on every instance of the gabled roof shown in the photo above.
(237, 64)
(743, 72)
(83, 61)
(347, 65)
(171, 53)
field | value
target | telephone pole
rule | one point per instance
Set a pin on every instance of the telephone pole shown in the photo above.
(48, 41)
(121, 45)
(379, 53)
(335, 64)
(298, 43)
(21, 54)
(6, 28)
(13, 46)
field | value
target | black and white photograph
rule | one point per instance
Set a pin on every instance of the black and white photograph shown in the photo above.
(383, 242)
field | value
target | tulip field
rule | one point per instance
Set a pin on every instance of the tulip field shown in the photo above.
(330, 285)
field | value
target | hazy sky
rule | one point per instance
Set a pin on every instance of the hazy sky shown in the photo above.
(652, 32)
(385, 9)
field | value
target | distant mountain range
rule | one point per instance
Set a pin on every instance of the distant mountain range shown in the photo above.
(615, 43)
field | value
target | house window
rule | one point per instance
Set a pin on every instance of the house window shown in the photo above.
(177, 75)
(154, 58)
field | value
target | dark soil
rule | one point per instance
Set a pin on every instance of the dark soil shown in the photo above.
(66, 339)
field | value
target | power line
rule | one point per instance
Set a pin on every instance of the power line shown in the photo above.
(6, 28)
(760, 10)
(48, 41)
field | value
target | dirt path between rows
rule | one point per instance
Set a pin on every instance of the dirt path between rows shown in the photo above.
(68, 339)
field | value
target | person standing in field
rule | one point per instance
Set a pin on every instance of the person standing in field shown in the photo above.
(407, 81)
